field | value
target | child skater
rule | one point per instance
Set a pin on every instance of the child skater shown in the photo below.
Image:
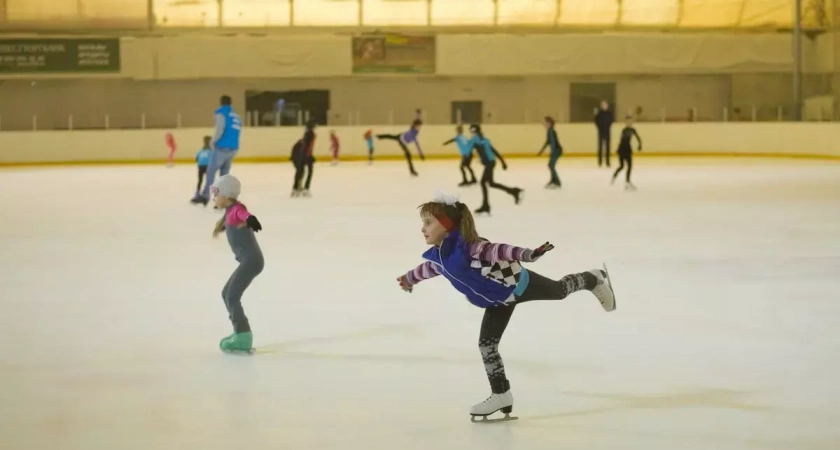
(303, 159)
(407, 138)
(556, 151)
(202, 159)
(625, 151)
(369, 141)
(334, 146)
(488, 154)
(466, 150)
(239, 226)
(173, 147)
(491, 276)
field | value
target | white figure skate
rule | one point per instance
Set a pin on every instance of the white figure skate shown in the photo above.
(604, 290)
(494, 403)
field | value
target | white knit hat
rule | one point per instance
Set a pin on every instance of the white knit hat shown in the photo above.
(227, 186)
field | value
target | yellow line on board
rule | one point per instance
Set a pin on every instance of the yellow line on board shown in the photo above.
(270, 159)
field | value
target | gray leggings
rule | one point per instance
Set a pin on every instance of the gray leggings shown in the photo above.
(232, 293)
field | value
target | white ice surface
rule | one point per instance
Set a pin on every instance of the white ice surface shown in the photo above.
(725, 336)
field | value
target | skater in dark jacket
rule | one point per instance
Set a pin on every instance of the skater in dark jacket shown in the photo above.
(604, 119)
(556, 151)
(492, 277)
(625, 152)
(303, 158)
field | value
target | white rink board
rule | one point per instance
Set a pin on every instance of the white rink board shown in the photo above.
(717, 139)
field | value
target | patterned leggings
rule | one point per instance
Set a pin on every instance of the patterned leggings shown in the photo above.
(496, 319)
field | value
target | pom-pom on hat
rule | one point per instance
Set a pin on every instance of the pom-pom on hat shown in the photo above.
(227, 186)
(450, 219)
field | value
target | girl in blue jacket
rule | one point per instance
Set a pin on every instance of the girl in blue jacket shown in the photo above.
(491, 276)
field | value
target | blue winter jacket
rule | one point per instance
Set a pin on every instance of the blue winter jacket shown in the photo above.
(453, 260)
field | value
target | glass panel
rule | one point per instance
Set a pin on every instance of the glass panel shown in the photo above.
(338, 13)
(462, 12)
(26, 10)
(767, 12)
(588, 12)
(649, 12)
(710, 13)
(537, 12)
(174, 13)
(255, 13)
(117, 9)
(394, 12)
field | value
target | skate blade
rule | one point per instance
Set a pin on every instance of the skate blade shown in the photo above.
(486, 419)
(609, 282)
(253, 351)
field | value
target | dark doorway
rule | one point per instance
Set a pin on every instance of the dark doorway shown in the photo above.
(585, 98)
(469, 111)
(287, 108)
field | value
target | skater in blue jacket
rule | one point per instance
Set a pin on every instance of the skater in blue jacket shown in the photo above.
(491, 276)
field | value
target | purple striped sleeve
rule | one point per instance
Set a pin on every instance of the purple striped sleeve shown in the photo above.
(493, 253)
(422, 272)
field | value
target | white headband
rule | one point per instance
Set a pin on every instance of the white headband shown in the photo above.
(450, 200)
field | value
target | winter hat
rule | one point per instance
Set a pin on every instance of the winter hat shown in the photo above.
(227, 186)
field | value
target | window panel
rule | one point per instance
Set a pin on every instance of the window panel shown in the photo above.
(336, 13)
(462, 12)
(649, 12)
(527, 12)
(173, 13)
(27, 10)
(710, 13)
(255, 13)
(116, 9)
(767, 12)
(588, 12)
(394, 12)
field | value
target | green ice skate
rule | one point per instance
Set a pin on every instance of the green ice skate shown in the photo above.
(238, 343)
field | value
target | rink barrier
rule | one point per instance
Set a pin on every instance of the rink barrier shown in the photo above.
(273, 144)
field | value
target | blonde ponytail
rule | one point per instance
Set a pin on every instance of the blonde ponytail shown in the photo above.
(467, 225)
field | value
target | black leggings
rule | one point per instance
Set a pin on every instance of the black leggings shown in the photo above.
(604, 147)
(396, 137)
(465, 167)
(622, 158)
(496, 319)
(201, 171)
(301, 164)
(487, 180)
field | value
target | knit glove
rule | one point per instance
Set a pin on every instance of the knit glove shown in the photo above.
(253, 223)
(404, 285)
(538, 252)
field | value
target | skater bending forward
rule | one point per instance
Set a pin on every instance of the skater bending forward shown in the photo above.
(239, 226)
(491, 277)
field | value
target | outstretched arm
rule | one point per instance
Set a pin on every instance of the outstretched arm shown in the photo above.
(493, 252)
(449, 141)
(419, 150)
(498, 155)
(545, 146)
(422, 272)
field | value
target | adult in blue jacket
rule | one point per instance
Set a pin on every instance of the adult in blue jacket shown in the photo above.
(225, 145)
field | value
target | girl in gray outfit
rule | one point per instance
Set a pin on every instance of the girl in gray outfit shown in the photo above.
(239, 227)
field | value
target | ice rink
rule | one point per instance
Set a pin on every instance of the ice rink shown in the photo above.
(725, 336)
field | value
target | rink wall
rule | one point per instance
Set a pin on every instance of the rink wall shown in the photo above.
(791, 140)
